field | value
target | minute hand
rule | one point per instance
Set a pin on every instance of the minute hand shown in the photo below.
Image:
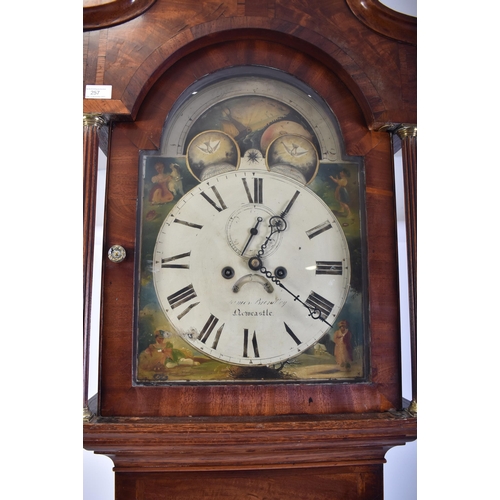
(314, 312)
(277, 225)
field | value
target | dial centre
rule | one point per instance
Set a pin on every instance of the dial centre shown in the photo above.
(255, 263)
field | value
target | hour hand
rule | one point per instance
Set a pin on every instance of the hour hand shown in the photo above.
(253, 231)
(277, 224)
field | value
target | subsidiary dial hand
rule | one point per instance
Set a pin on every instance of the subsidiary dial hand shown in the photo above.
(253, 231)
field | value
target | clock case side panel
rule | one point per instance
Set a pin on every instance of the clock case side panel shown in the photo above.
(118, 395)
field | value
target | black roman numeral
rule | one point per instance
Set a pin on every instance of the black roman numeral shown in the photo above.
(320, 228)
(329, 267)
(217, 337)
(258, 190)
(188, 224)
(290, 203)
(167, 262)
(212, 202)
(207, 329)
(254, 344)
(188, 308)
(316, 302)
(290, 332)
(180, 297)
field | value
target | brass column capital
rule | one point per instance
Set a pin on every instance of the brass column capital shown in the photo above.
(405, 131)
(93, 120)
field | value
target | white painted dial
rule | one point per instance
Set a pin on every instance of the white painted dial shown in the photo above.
(226, 309)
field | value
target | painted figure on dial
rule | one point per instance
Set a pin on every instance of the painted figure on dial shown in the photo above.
(341, 193)
(343, 347)
(160, 193)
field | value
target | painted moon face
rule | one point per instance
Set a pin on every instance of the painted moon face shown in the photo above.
(211, 153)
(293, 156)
(284, 127)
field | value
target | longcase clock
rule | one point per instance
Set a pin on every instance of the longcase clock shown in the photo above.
(250, 328)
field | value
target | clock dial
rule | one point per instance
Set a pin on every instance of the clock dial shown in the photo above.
(240, 291)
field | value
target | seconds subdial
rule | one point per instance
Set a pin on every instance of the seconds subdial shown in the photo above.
(246, 232)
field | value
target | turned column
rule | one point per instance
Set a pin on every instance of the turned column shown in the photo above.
(91, 125)
(408, 137)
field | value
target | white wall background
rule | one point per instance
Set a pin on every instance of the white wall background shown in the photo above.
(400, 479)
